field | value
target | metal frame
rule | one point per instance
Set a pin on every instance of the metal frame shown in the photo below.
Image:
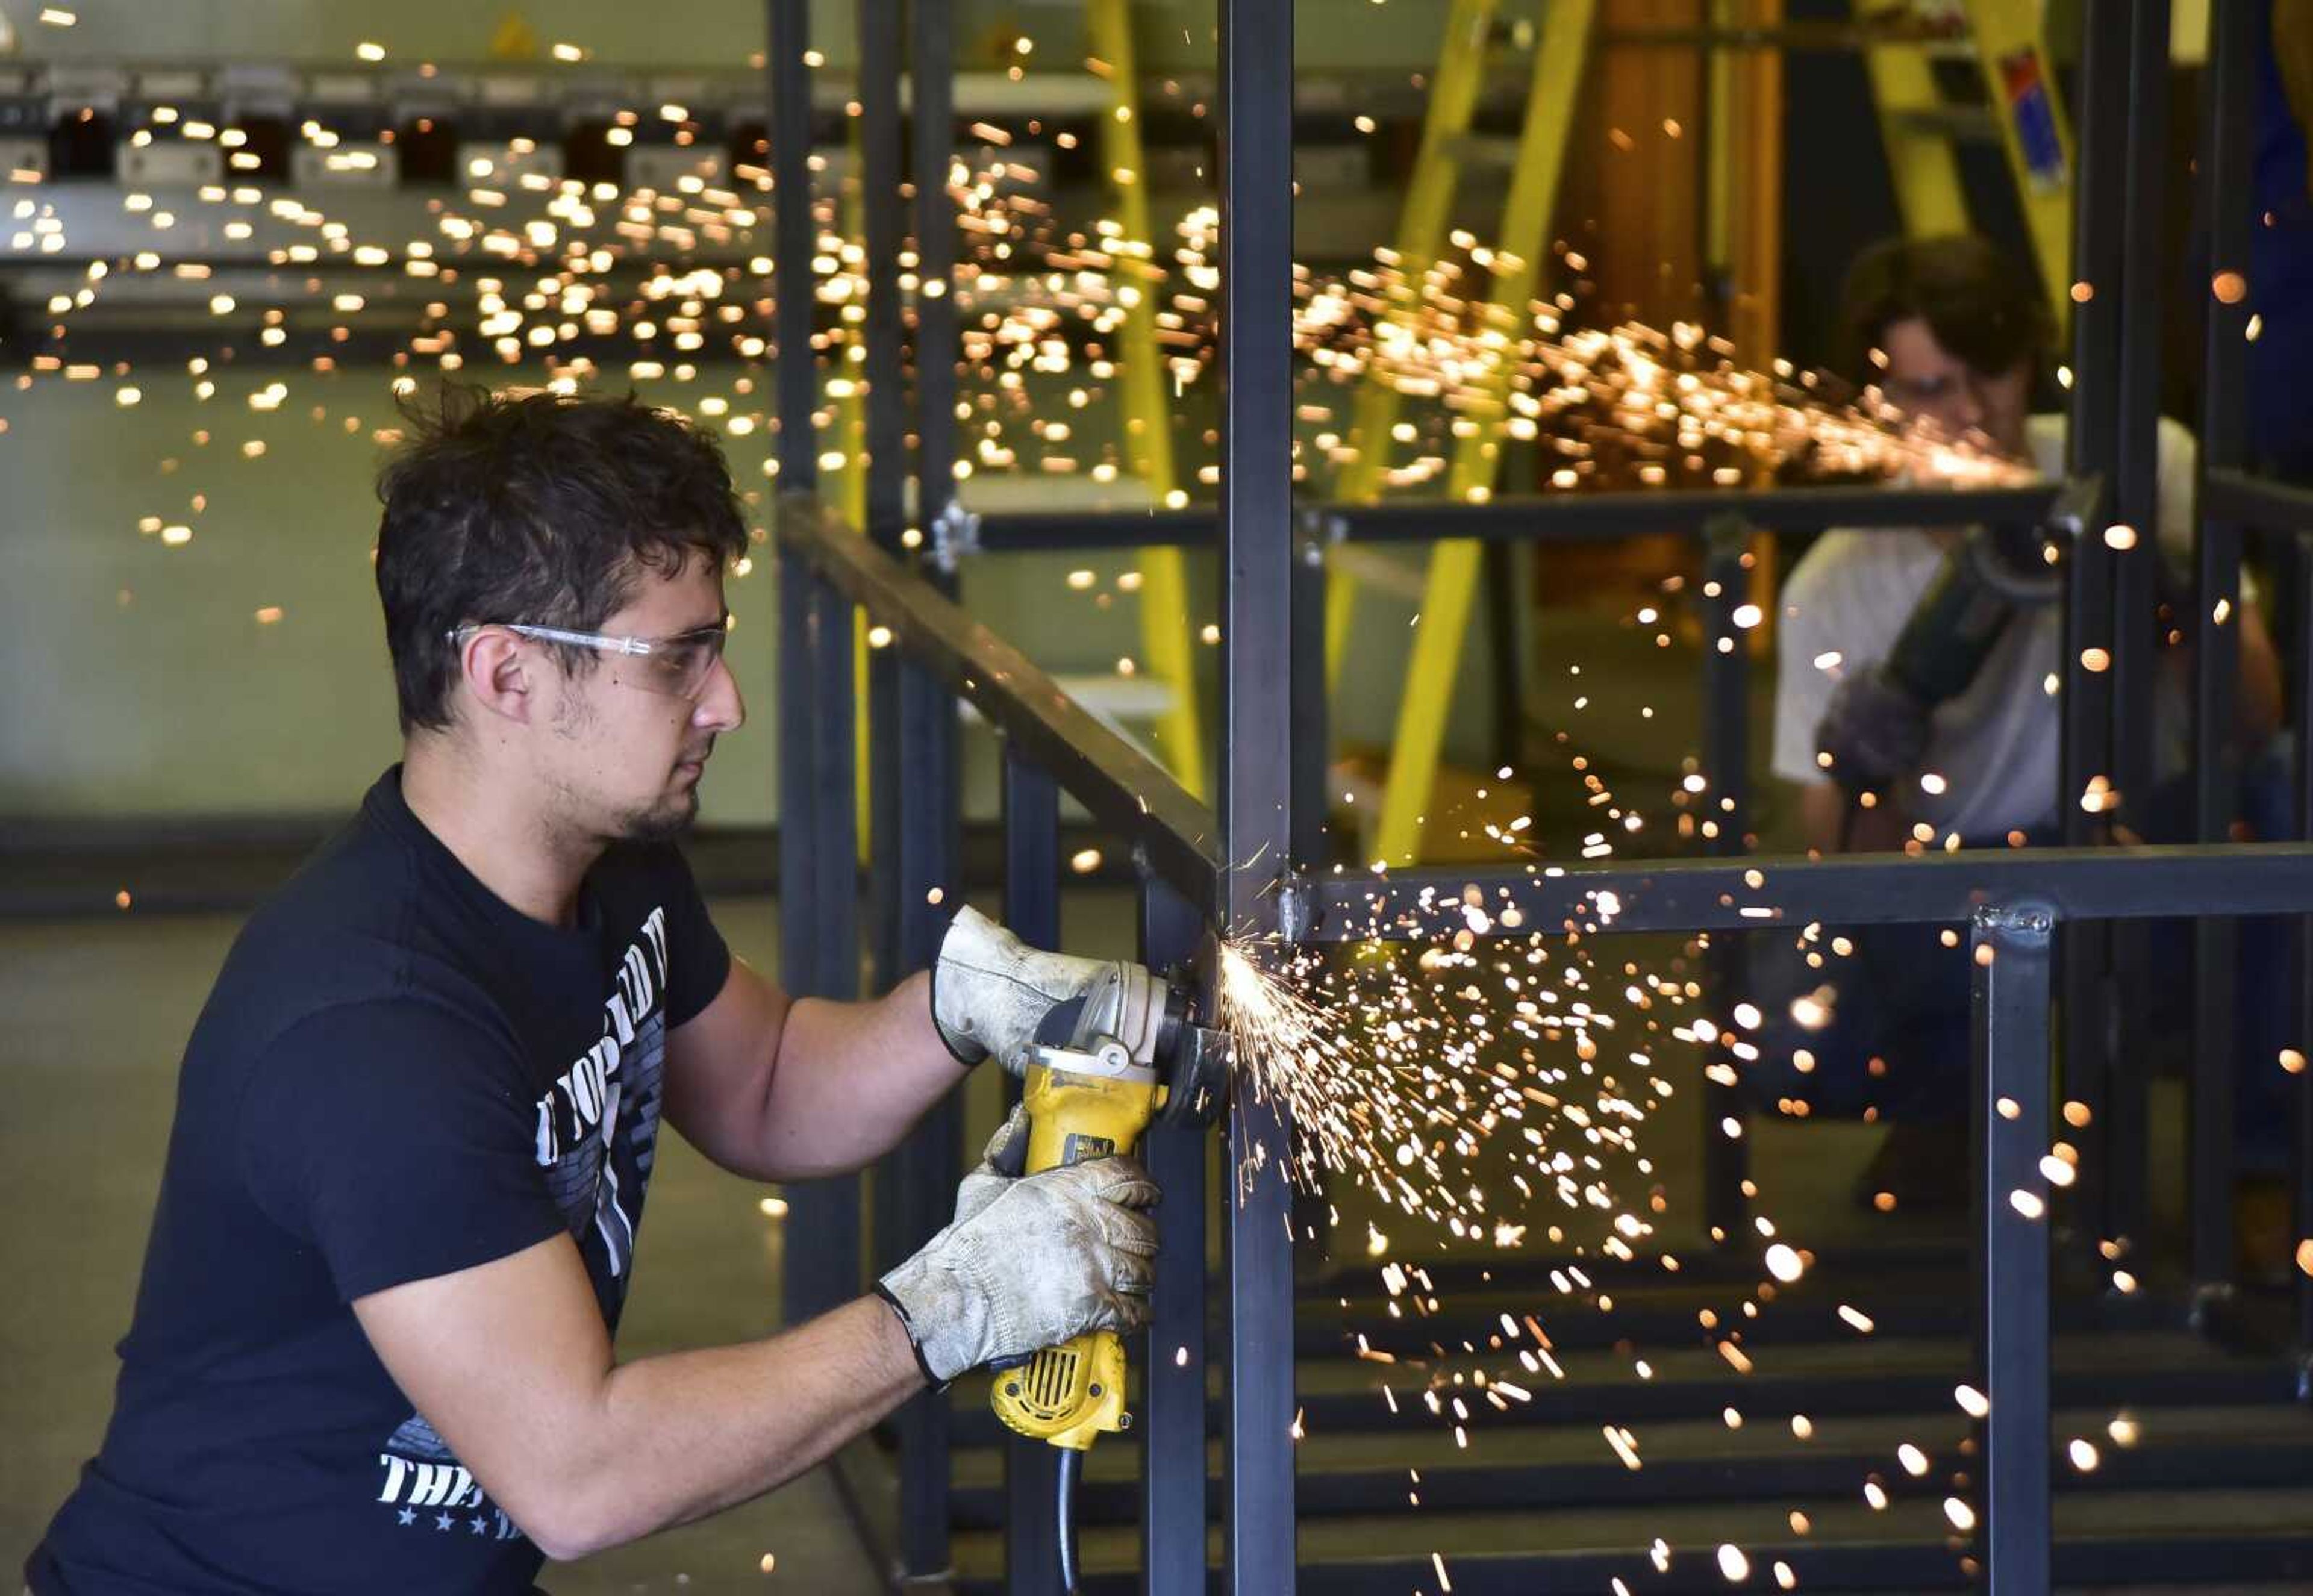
(1231, 866)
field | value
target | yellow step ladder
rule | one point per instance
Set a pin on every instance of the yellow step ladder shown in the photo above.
(1916, 123)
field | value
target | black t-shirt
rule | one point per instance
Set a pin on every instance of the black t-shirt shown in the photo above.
(398, 1075)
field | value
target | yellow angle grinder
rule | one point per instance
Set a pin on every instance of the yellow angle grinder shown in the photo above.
(1129, 1051)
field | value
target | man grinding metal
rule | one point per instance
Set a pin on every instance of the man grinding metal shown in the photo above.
(1903, 716)
(373, 1346)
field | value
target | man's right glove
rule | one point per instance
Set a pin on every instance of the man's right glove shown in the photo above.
(1875, 732)
(1051, 1256)
(991, 993)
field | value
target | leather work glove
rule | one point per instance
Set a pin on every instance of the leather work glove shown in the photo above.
(1048, 1256)
(1875, 732)
(991, 992)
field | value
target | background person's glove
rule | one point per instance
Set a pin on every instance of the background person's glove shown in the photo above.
(1048, 1256)
(1875, 732)
(990, 991)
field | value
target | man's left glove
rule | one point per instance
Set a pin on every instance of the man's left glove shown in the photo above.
(1875, 732)
(992, 993)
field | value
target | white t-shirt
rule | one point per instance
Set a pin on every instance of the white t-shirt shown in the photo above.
(1998, 746)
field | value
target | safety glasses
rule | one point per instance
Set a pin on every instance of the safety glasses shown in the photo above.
(679, 667)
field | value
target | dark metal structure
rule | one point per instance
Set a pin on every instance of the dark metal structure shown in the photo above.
(2041, 923)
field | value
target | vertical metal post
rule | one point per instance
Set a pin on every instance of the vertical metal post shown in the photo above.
(817, 936)
(884, 462)
(2301, 1149)
(2010, 1112)
(2136, 504)
(931, 84)
(1312, 752)
(789, 81)
(825, 1271)
(794, 374)
(1032, 909)
(1310, 715)
(928, 1164)
(880, 27)
(1727, 763)
(2216, 751)
(1173, 1352)
(1256, 351)
(2092, 449)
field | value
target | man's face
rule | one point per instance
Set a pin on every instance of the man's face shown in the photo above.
(1928, 383)
(624, 751)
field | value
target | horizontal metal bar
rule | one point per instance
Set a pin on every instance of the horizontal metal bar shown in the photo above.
(1126, 792)
(1860, 890)
(1574, 517)
(1545, 518)
(2250, 500)
(1605, 1484)
(1044, 531)
(1911, 1566)
(1869, 1392)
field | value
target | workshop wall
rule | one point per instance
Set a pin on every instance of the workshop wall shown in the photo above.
(1173, 34)
(242, 673)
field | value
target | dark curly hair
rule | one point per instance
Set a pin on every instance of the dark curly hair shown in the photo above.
(1979, 304)
(535, 508)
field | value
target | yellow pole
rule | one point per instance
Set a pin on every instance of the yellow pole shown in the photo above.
(1147, 417)
(1420, 230)
(1558, 63)
(2016, 72)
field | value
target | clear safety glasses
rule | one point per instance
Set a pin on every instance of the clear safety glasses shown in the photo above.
(679, 666)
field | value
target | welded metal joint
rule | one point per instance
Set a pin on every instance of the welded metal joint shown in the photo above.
(2003, 923)
(1297, 908)
(954, 533)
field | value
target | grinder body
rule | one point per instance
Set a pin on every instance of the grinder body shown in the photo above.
(1080, 1105)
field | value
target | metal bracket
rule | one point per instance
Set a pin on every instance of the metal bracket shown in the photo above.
(2075, 507)
(954, 533)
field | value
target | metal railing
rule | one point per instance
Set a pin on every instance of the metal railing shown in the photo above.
(1202, 869)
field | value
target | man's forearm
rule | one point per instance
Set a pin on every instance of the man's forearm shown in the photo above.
(682, 1435)
(851, 1078)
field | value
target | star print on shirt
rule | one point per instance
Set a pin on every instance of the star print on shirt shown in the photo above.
(407, 1516)
(443, 1522)
(480, 1524)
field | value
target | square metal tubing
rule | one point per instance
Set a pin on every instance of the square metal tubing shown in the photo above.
(2011, 998)
(1256, 356)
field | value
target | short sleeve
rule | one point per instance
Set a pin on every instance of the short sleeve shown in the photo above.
(399, 1140)
(698, 960)
(1802, 687)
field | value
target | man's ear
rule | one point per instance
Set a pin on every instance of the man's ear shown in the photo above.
(500, 674)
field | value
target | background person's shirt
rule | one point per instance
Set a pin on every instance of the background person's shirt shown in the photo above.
(1998, 745)
(398, 1075)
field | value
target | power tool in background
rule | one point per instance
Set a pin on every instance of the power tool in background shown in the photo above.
(1129, 1051)
(1876, 727)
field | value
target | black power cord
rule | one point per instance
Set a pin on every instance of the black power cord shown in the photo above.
(1064, 1513)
